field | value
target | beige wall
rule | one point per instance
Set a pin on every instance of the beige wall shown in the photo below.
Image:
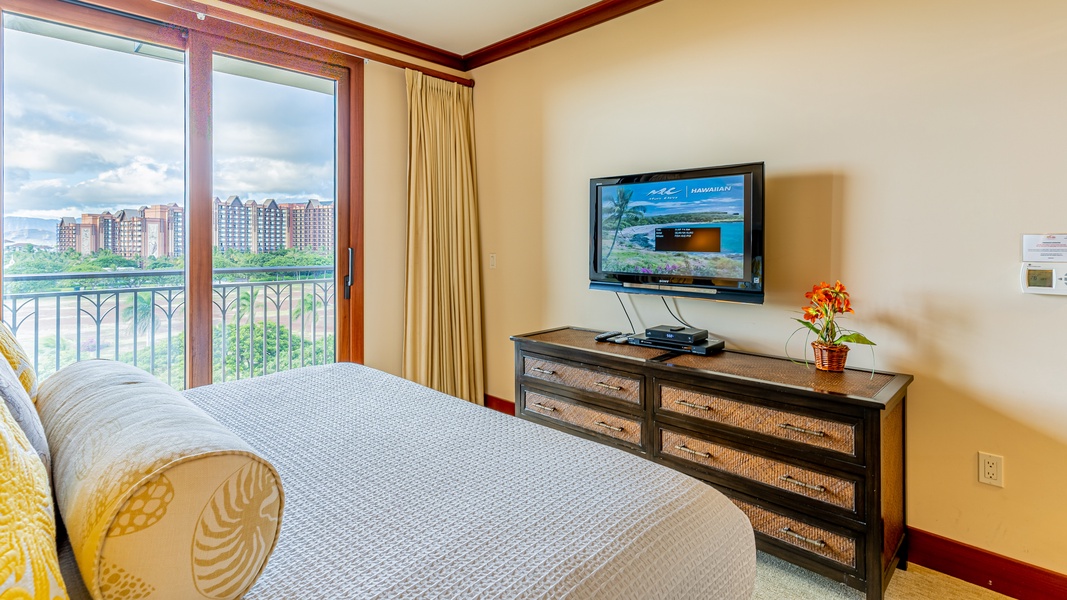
(385, 229)
(908, 146)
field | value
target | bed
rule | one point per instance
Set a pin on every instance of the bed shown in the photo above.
(393, 490)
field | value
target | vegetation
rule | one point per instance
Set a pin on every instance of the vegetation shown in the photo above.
(289, 257)
(36, 261)
(699, 217)
(627, 260)
(266, 348)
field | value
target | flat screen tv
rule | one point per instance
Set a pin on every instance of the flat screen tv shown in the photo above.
(694, 232)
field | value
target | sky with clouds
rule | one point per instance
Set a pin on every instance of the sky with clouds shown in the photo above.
(89, 129)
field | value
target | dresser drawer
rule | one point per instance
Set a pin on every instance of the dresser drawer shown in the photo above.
(819, 432)
(841, 549)
(827, 489)
(583, 417)
(615, 385)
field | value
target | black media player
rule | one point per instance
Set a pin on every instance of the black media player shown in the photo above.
(708, 346)
(678, 335)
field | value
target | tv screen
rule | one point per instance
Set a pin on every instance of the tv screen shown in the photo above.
(695, 232)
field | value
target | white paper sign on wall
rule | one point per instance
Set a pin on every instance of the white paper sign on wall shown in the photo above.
(1050, 247)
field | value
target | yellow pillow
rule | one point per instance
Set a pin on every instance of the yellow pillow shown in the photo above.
(19, 360)
(157, 496)
(29, 566)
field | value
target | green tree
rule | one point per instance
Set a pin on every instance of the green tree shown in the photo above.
(264, 349)
(141, 305)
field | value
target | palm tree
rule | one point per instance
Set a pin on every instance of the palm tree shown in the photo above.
(246, 302)
(623, 214)
(309, 304)
(142, 308)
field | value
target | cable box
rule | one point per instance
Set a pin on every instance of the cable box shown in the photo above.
(707, 346)
(676, 334)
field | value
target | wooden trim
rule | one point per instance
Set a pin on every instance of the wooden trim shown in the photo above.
(93, 19)
(313, 17)
(198, 243)
(992, 571)
(185, 14)
(350, 216)
(175, 16)
(500, 405)
(584, 18)
(213, 16)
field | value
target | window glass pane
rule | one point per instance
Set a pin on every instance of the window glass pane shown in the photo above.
(93, 206)
(273, 222)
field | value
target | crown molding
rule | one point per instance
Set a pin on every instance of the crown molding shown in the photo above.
(584, 18)
(331, 23)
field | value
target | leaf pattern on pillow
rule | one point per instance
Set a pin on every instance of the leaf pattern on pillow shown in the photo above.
(28, 561)
(24, 413)
(20, 362)
(236, 532)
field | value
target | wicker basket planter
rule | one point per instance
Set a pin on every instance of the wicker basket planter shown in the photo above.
(830, 358)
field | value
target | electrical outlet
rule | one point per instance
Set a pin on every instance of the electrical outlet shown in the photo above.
(991, 469)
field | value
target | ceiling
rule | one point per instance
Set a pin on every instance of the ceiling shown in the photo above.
(458, 26)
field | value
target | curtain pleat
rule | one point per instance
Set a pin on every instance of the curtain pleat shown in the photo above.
(443, 313)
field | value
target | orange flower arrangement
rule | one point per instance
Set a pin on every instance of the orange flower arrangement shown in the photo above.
(825, 303)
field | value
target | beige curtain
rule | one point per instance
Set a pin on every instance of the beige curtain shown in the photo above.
(443, 318)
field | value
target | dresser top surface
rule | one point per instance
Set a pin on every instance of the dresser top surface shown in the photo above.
(877, 388)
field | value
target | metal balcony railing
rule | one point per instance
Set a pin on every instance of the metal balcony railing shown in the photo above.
(265, 320)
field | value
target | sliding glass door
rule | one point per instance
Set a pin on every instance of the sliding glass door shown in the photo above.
(178, 200)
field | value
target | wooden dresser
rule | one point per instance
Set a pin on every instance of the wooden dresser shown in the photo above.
(816, 460)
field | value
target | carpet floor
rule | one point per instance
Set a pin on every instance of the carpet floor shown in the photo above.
(779, 580)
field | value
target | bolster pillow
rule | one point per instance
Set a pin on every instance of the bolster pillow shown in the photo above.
(159, 499)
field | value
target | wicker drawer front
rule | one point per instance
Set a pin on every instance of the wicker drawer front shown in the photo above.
(624, 388)
(821, 433)
(816, 540)
(589, 419)
(791, 478)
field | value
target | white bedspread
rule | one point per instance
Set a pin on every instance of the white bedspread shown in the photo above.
(397, 491)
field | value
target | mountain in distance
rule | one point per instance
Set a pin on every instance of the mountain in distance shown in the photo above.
(30, 230)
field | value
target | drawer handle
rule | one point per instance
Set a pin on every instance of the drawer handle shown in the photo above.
(540, 406)
(688, 450)
(609, 386)
(802, 430)
(611, 427)
(803, 538)
(816, 488)
(542, 371)
(691, 405)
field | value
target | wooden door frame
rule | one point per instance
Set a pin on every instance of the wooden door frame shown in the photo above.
(349, 181)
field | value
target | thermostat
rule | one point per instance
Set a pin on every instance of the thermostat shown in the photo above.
(1044, 278)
